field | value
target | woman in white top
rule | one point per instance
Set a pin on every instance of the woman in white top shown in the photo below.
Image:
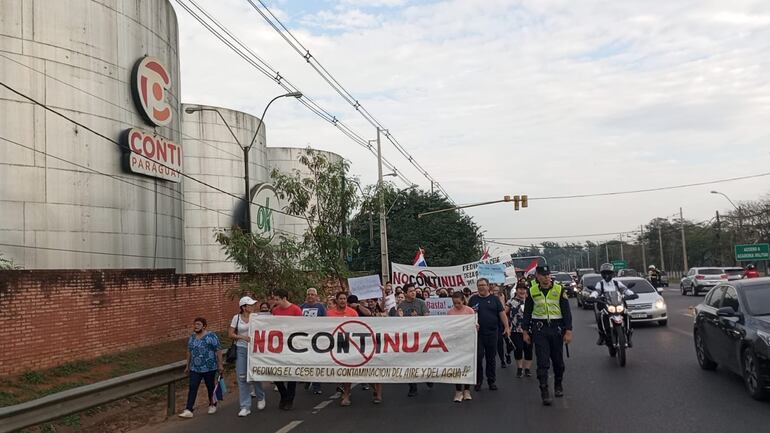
(239, 332)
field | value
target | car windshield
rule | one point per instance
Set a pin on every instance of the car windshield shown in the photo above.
(709, 271)
(590, 281)
(562, 277)
(736, 271)
(642, 286)
(758, 300)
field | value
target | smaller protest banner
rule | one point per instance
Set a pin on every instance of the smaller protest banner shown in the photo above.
(367, 287)
(390, 302)
(495, 273)
(438, 306)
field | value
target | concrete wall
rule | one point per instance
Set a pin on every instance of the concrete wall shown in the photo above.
(76, 56)
(213, 156)
(286, 160)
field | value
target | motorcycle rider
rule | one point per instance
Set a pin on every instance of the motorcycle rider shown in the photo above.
(653, 275)
(608, 283)
(751, 272)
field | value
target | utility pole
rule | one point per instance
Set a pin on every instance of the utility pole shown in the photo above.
(607, 251)
(644, 254)
(660, 243)
(588, 251)
(622, 257)
(684, 242)
(383, 224)
(719, 240)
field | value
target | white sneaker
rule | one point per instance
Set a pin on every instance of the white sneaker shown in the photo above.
(244, 412)
(186, 414)
(253, 394)
(212, 410)
(261, 404)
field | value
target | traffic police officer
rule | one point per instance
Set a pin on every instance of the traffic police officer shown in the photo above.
(548, 322)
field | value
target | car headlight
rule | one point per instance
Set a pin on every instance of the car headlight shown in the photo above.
(611, 308)
(660, 304)
(764, 336)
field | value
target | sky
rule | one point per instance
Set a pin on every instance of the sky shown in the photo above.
(536, 97)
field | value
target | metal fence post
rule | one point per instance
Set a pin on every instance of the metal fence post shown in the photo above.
(171, 399)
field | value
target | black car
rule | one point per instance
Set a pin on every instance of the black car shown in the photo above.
(566, 281)
(586, 286)
(732, 329)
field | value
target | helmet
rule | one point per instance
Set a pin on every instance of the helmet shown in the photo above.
(651, 267)
(608, 271)
(750, 267)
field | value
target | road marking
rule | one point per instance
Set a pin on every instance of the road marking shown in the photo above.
(322, 404)
(288, 427)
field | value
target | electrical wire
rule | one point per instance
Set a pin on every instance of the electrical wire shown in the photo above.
(111, 140)
(262, 66)
(313, 62)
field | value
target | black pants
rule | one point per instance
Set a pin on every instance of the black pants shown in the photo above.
(209, 378)
(549, 348)
(487, 350)
(287, 390)
(520, 348)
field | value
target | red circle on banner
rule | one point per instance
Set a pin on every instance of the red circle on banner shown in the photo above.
(365, 358)
(428, 274)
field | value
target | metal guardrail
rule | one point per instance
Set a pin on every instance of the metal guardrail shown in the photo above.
(75, 400)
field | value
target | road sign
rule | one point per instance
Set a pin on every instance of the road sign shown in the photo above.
(619, 264)
(746, 253)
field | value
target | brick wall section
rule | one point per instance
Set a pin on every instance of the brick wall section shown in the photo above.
(49, 317)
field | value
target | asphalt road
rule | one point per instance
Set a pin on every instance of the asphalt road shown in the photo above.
(662, 389)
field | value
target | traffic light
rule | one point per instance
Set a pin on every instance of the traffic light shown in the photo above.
(518, 201)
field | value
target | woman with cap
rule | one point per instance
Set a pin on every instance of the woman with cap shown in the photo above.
(239, 332)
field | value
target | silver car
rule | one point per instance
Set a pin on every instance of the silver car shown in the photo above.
(700, 280)
(734, 273)
(650, 306)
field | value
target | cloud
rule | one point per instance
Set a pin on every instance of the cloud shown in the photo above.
(538, 97)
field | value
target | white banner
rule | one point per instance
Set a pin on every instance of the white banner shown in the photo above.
(457, 277)
(365, 287)
(363, 350)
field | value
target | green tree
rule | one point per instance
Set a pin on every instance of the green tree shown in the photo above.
(448, 238)
(267, 265)
(323, 195)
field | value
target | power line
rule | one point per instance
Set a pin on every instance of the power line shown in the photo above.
(662, 188)
(111, 140)
(262, 66)
(313, 62)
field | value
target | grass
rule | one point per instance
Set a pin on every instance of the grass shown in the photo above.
(33, 377)
(7, 399)
(71, 368)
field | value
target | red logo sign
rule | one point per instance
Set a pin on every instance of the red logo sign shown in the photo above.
(150, 82)
(360, 353)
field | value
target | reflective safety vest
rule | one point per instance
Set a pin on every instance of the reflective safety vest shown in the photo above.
(546, 304)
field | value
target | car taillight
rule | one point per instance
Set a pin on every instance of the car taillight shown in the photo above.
(723, 276)
(700, 277)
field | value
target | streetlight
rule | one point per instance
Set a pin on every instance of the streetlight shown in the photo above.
(737, 210)
(409, 188)
(245, 149)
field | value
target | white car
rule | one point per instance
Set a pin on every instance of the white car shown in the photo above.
(650, 306)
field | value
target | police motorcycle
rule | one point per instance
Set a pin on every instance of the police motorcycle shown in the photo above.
(614, 313)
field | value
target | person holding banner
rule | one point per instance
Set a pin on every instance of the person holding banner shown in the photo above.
(411, 306)
(341, 309)
(491, 314)
(462, 392)
(548, 323)
(285, 308)
(239, 332)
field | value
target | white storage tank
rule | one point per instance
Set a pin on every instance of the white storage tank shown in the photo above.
(213, 155)
(113, 66)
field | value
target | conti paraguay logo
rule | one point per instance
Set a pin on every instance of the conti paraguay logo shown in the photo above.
(151, 82)
(147, 152)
